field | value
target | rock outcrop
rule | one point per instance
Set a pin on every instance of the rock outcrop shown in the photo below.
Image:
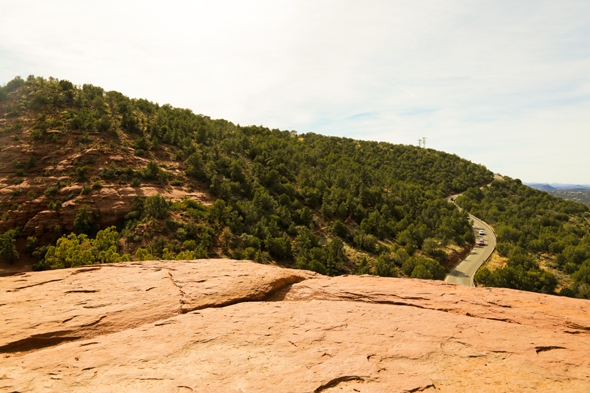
(233, 326)
(110, 205)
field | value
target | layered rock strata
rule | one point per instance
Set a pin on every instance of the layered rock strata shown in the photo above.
(231, 326)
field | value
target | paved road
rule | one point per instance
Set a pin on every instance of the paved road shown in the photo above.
(463, 273)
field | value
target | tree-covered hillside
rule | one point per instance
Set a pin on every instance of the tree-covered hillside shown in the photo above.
(542, 237)
(333, 205)
(577, 195)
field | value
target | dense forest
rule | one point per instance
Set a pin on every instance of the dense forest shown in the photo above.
(332, 205)
(542, 237)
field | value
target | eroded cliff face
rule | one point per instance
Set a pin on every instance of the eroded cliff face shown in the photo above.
(234, 326)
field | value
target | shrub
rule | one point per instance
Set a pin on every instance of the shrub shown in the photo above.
(435, 270)
(8, 251)
(51, 191)
(317, 266)
(420, 271)
(340, 229)
(82, 172)
(31, 163)
(186, 255)
(156, 206)
(383, 267)
(190, 245)
(73, 250)
(32, 244)
(364, 267)
(84, 221)
(37, 134)
(143, 255)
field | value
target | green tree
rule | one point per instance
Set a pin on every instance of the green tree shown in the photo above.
(71, 251)
(364, 267)
(8, 250)
(143, 255)
(420, 271)
(84, 221)
(156, 206)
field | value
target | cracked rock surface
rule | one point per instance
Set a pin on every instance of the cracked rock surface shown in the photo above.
(234, 326)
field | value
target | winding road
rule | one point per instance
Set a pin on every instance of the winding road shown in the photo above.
(464, 272)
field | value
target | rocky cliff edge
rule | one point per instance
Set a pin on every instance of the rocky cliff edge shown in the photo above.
(235, 326)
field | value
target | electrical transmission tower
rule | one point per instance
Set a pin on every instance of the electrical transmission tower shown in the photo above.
(424, 141)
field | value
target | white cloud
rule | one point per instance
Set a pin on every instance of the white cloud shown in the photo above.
(501, 83)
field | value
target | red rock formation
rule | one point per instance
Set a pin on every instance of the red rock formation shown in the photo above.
(229, 326)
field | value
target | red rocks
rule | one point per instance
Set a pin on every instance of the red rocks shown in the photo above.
(229, 326)
(111, 203)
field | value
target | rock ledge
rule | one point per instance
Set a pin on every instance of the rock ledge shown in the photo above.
(235, 326)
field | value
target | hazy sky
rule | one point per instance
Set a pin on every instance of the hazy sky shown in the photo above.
(501, 83)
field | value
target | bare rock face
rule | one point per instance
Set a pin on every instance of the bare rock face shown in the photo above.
(233, 326)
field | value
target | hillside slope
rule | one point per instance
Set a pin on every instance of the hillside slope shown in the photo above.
(543, 240)
(93, 176)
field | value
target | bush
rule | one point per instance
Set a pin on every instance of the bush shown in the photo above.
(186, 255)
(16, 193)
(317, 266)
(135, 182)
(32, 244)
(51, 191)
(84, 221)
(339, 229)
(82, 172)
(435, 270)
(363, 267)
(8, 251)
(365, 241)
(280, 247)
(420, 271)
(73, 250)
(384, 267)
(31, 163)
(143, 255)
(156, 206)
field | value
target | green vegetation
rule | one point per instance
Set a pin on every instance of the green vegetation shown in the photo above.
(578, 195)
(77, 250)
(8, 250)
(532, 228)
(332, 205)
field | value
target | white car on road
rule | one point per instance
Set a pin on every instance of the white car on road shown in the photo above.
(481, 232)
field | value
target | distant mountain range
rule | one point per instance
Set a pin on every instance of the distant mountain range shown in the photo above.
(557, 186)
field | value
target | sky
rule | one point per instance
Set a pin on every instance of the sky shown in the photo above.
(501, 83)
